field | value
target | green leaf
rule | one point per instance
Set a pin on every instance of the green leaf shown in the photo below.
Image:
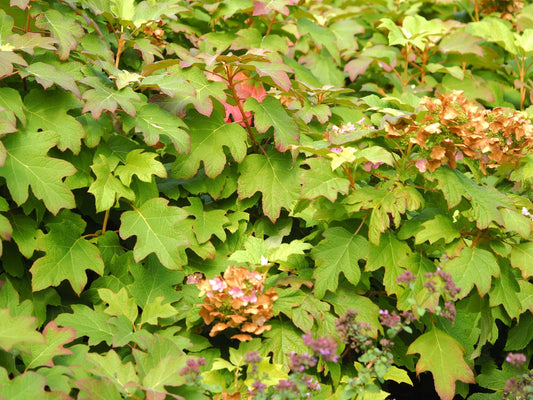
(322, 36)
(522, 258)
(209, 137)
(388, 254)
(474, 266)
(119, 303)
(166, 373)
(47, 75)
(345, 298)
(29, 385)
(102, 98)
(24, 233)
(505, 292)
(486, 201)
(96, 389)
(11, 103)
(207, 223)
(397, 375)
(111, 367)
(107, 189)
(440, 227)
(204, 90)
(88, 322)
(68, 255)
(340, 251)
(64, 29)
(280, 340)
(47, 111)
(494, 30)
(155, 309)
(17, 330)
(27, 164)
(154, 224)
(460, 42)
(320, 180)
(43, 353)
(270, 113)
(141, 164)
(275, 176)
(154, 280)
(153, 121)
(122, 9)
(441, 355)
(521, 335)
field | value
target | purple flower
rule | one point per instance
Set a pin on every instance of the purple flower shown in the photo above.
(389, 320)
(516, 359)
(193, 366)
(252, 357)
(300, 362)
(406, 277)
(322, 346)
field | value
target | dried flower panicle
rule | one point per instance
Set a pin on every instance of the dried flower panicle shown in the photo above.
(237, 300)
(455, 128)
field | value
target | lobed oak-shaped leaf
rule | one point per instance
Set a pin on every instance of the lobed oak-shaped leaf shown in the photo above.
(474, 266)
(209, 137)
(11, 108)
(388, 254)
(207, 223)
(97, 389)
(119, 303)
(440, 227)
(64, 29)
(522, 258)
(154, 224)
(17, 330)
(43, 353)
(165, 373)
(443, 356)
(27, 164)
(112, 368)
(48, 111)
(143, 165)
(68, 255)
(153, 121)
(505, 292)
(30, 41)
(29, 385)
(47, 75)
(270, 113)
(7, 59)
(204, 90)
(107, 189)
(320, 180)
(88, 322)
(340, 251)
(281, 339)
(275, 176)
(103, 97)
(153, 280)
(156, 309)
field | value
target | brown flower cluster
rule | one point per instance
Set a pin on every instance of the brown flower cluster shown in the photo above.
(506, 8)
(237, 300)
(455, 127)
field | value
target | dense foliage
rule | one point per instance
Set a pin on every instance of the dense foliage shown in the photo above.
(269, 199)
